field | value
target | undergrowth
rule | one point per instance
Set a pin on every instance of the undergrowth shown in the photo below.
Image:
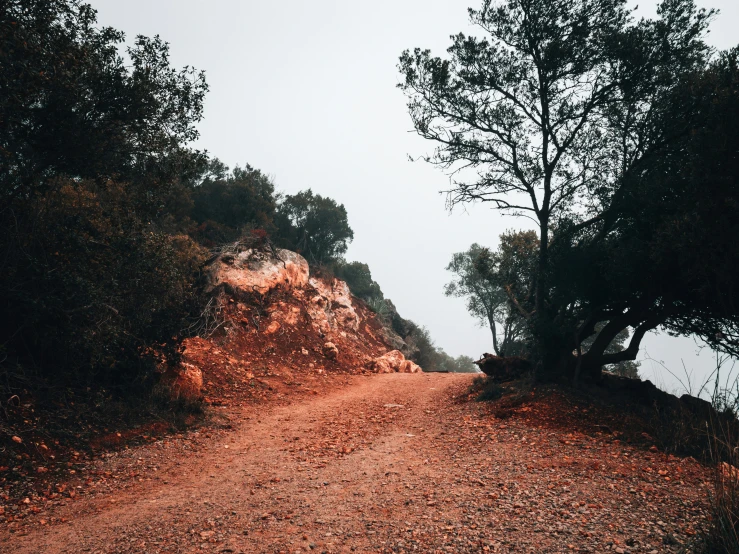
(485, 388)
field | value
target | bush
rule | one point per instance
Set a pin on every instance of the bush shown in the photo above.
(94, 293)
(94, 286)
(486, 388)
(359, 279)
(226, 205)
(314, 226)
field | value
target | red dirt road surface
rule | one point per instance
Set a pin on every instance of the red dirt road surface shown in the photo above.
(381, 463)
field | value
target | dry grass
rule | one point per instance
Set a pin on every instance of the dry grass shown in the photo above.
(722, 432)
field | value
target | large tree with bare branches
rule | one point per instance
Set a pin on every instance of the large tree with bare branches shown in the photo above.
(554, 115)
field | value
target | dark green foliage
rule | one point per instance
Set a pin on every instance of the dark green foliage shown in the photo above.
(314, 226)
(427, 356)
(460, 364)
(71, 106)
(490, 281)
(680, 213)
(667, 236)
(617, 138)
(227, 204)
(93, 163)
(359, 278)
(487, 301)
(95, 286)
(432, 358)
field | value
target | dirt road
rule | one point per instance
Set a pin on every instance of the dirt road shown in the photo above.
(384, 463)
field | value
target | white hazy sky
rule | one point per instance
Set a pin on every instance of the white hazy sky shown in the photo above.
(305, 91)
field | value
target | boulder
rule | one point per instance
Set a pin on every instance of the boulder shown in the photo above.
(381, 365)
(330, 351)
(395, 357)
(187, 383)
(408, 366)
(273, 327)
(394, 361)
(253, 271)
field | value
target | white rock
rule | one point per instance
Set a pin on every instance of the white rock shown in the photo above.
(394, 361)
(250, 271)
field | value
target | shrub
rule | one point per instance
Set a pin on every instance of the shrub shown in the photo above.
(93, 293)
(359, 279)
(486, 388)
(314, 226)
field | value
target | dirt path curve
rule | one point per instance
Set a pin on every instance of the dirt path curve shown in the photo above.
(386, 463)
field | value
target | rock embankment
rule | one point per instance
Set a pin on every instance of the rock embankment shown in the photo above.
(271, 316)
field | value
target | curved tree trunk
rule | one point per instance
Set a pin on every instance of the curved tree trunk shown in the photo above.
(594, 360)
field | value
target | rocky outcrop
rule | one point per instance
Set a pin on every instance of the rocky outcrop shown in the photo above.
(398, 332)
(253, 271)
(330, 305)
(272, 318)
(394, 362)
(408, 366)
(243, 273)
(393, 339)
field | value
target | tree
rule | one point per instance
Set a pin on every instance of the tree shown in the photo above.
(313, 225)
(93, 158)
(226, 203)
(675, 219)
(552, 117)
(359, 279)
(485, 279)
(624, 368)
(71, 106)
(486, 299)
(462, 364)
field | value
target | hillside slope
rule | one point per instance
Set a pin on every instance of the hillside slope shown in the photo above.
(272, 320)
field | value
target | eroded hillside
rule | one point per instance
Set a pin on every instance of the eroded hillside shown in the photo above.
(272, 319)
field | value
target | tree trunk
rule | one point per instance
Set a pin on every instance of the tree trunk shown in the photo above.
(596, 357)
(491, 322)
(553, 350)
(543, 261)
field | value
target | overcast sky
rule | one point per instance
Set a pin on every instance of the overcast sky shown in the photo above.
(305, 91)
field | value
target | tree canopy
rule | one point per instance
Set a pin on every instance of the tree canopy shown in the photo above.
(313, 225)
(577, 116)
(93, 154)
(358, 277)
(225, 204)
(71, 106)
(485, 278)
